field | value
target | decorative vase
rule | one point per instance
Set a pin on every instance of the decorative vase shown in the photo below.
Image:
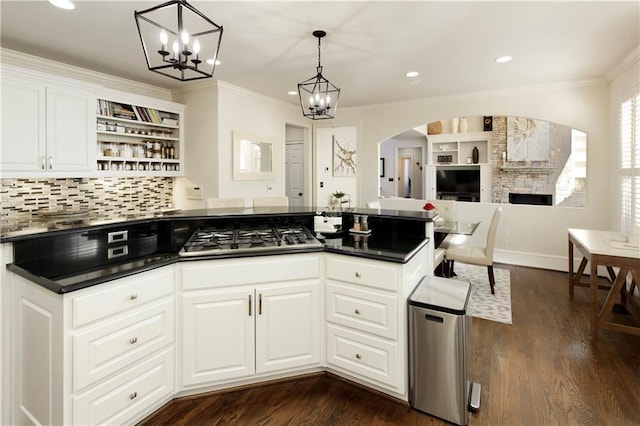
(475, 155)
(454, 124)
(463, 125)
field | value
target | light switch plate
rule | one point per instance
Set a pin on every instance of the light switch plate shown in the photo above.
(194, 192)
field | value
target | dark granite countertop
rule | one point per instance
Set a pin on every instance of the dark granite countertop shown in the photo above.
(395, 237)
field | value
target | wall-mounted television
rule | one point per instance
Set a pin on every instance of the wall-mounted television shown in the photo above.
(460, 183)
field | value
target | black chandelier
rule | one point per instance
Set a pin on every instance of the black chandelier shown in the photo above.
(178, 40)
(318, 97)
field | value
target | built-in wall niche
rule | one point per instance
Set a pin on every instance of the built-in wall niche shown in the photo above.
(520, 155)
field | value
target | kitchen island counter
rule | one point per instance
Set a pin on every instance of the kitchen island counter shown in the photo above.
(83, 255)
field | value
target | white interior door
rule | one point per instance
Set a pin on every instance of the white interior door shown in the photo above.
(405, 177)
(294, 173)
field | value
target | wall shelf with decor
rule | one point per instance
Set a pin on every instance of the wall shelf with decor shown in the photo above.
(139, 136)
(456, 149)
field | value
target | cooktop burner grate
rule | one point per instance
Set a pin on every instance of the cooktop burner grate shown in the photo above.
(211, 241)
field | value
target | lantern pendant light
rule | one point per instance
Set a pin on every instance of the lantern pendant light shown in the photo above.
(318, 96)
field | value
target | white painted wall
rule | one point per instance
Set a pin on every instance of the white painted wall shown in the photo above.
(214, 110)
(529, 235)
(327, 184)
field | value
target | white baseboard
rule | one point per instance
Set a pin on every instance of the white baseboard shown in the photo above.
(542, 261)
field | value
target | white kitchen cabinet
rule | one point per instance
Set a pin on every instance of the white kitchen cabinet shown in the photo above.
(103, 354)
(245, 318)
(47, 125)
(367, 319)
(287, 326)
(217, 335)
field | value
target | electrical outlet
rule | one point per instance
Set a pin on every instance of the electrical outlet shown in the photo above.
(194, 192)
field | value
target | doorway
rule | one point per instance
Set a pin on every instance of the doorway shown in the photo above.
(409, 174)
(297, 158)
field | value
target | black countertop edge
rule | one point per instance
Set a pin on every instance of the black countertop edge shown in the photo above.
(378, 254)
(56, 287)
(148, 263)
(253, 254)
(37, 229)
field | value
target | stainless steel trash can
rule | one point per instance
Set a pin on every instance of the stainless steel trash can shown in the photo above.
(438, 346)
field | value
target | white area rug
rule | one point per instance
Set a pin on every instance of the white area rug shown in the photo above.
(483, 304)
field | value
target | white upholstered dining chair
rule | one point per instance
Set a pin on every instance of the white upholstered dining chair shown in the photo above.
(276, 201)
(476, 255)
(221, 203)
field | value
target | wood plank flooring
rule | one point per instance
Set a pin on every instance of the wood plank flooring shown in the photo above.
(544, 369)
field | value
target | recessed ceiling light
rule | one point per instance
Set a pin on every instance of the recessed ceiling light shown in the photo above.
(63, 4)
(291, 92)
(503, 59)
(412, 74)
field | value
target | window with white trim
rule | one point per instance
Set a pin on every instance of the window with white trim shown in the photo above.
(630, 162)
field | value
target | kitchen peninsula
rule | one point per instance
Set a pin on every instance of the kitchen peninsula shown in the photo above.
(117, 322)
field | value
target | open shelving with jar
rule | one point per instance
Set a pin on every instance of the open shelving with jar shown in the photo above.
(456, 149)
(136, 139)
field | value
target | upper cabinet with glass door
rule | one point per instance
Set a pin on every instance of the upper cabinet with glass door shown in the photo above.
(139, 136)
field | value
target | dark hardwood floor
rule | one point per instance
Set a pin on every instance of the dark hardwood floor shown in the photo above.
(544, 369)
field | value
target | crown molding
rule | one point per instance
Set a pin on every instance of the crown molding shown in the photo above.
(36, 63)
(632, 59)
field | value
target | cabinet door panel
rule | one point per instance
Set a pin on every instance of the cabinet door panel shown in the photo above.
(217, 336)
(69, 130)
(287, 327)
(23, 126)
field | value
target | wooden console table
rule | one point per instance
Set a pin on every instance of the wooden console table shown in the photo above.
(596, 251)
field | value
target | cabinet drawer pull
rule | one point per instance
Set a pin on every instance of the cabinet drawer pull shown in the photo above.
(249, 305)
(43, 164)
(133, 395)
(260, 304)
(117, 236)
(114, 252)
(357, 311)
(357, 274)
(358, 356)
(133, 296)
(50, 162)
(134, 340)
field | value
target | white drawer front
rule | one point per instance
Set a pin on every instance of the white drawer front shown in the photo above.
(365, 310)
(362, 272)
(370, 358)
(101, 351)
(249, 271)
(109, 299)
(124, 399)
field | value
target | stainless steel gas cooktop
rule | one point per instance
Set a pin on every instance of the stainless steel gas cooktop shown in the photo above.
(210, 241)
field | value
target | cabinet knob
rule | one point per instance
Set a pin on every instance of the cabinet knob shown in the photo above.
(133, 296)
(134, 340)
(357, 311)
(133, 395)
(358, 356)
(357, 274)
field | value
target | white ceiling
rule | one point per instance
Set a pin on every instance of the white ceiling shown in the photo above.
(268, 47)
